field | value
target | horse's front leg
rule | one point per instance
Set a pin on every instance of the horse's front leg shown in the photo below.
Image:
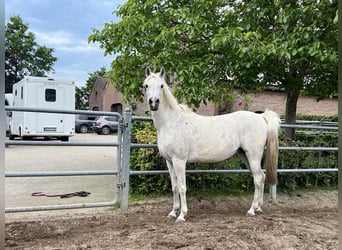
(176, 204)
(179, 168)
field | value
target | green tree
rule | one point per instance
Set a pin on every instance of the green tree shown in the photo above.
(23, 56)
(83, 93)
(213, 46)
(291, 45)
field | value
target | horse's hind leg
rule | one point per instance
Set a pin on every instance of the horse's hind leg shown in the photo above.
(260, 194)
(175, 191)
(259, 180)
(243, 157)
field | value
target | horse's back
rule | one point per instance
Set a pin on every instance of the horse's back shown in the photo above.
(239, 122)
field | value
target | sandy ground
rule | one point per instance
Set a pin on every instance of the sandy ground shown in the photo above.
(305, 220)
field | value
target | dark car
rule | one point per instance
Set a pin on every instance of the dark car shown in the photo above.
(105, 125)
(83, 123)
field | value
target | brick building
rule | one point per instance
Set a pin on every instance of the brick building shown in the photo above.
(105, 97)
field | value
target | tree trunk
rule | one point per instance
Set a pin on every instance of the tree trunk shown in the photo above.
(291, 111)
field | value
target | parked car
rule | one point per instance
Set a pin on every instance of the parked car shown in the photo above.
(104, 125)
(84, 123)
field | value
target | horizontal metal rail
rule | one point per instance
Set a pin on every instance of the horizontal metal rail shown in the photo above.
(138, 145)
(62, 111)
(141, 118)
(233, 171)
(322, 127)
(60, 207)
(310, 148)
(307, 127)
(316, 121)
(60, 173)
(152, 172)
(58, 143)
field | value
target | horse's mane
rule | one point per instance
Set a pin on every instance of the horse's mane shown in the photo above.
(185, 107)
(170, 99)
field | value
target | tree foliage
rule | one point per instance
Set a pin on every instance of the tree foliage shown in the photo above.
(23, 55)
(213, 46)
(83, 93)
(171, 34)
(289, 44)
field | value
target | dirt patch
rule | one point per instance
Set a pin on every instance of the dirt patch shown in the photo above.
(307, 220)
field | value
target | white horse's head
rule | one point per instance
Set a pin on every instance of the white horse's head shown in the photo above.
(153, 85)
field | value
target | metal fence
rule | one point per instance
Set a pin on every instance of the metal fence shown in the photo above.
(116, 169)
(122, 169)
(272, 189)
(317, 127)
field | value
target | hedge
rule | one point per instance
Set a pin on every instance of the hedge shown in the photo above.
(330, 118)
(150, 159)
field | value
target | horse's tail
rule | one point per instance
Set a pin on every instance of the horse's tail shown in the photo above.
(272, 146)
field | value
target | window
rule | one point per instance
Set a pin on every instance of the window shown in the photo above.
(22, 93)
(50, 95)
(87, 118)
(116, 107)
(111, 118)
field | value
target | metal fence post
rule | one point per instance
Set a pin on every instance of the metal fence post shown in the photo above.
(126, 153)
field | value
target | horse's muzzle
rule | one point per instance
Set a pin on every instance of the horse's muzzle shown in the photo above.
(154, 104)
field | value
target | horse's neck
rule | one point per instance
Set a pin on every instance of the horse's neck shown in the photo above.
(163, 116)
(166, 111)
(159, 119)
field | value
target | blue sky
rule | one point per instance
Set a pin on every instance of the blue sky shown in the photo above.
(65, 26)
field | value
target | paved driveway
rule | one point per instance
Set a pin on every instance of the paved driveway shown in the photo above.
(58, 158)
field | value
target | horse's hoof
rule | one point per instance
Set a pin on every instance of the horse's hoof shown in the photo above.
(258, 210)
(171, 215)
(250, 214)
(180, 220)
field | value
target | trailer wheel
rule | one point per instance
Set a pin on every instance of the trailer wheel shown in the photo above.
(65, 138)
(10, 136)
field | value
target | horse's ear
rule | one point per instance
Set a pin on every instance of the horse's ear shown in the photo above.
(147, 71)
(162, 72)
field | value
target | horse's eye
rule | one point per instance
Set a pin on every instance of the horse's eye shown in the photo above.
(146, 86)
(162, 86)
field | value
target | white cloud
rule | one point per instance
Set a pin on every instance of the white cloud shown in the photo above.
(73, 73)
(81, 47)
(63, 41)
(54, 38)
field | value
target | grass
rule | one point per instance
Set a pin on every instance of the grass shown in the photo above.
(205, 194)
(209, 194)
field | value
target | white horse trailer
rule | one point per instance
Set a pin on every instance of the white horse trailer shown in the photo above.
(47, 93)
